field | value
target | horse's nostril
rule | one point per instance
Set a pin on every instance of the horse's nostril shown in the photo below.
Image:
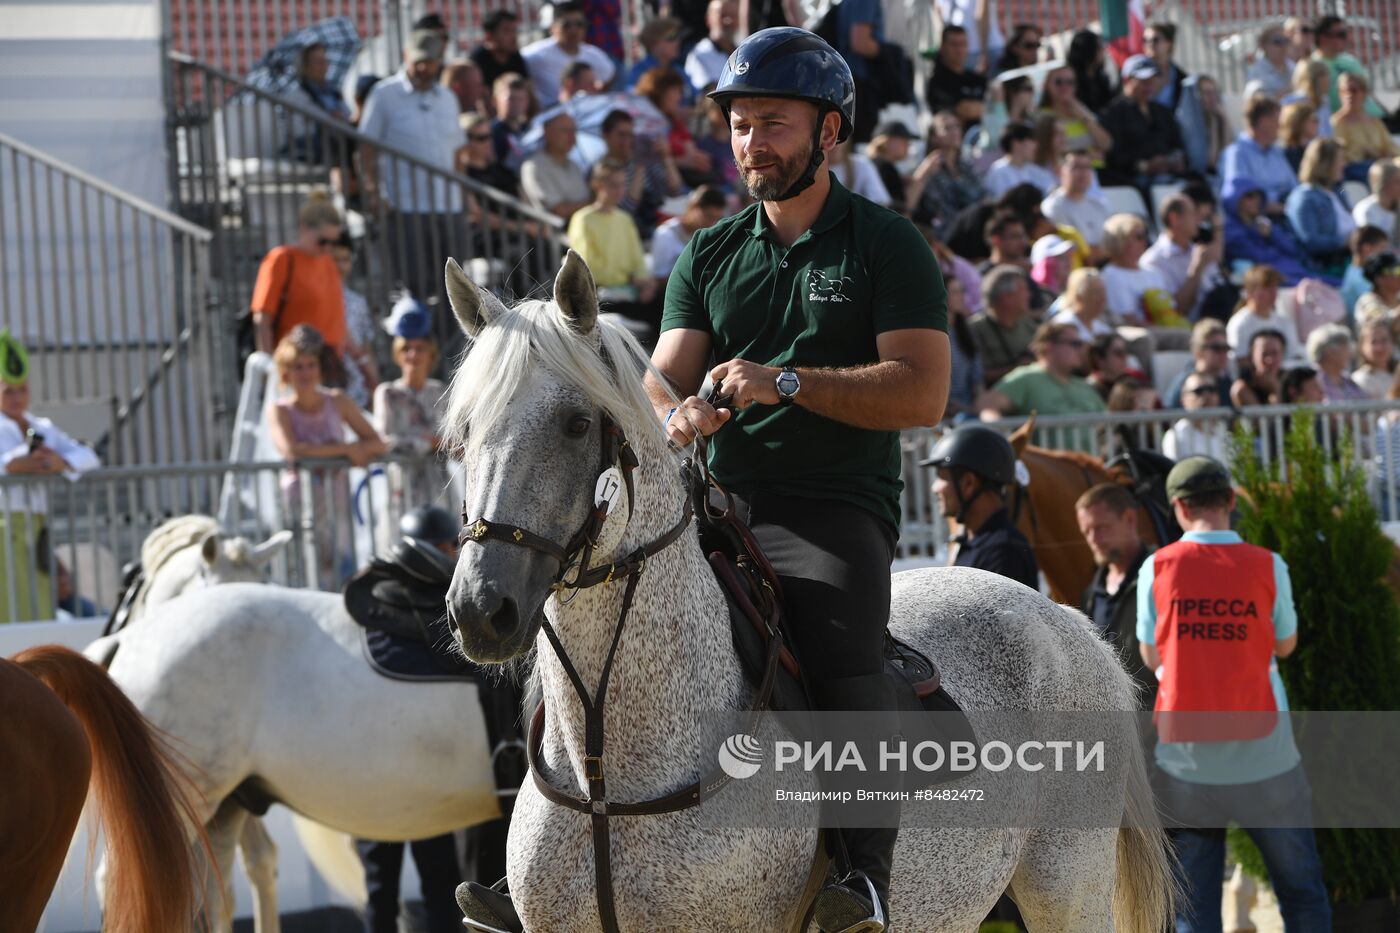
(505, 620)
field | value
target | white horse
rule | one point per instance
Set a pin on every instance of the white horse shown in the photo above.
(267, 691)
(184, 554)
(525, 409)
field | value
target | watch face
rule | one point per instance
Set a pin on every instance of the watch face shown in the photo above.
(788, 383)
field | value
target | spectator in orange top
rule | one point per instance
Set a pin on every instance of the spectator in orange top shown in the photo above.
(299, 283)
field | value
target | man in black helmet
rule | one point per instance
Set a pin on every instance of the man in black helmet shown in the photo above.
(827, 316)
(973, 466)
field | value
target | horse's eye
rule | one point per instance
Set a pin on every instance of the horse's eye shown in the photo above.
(578, 425)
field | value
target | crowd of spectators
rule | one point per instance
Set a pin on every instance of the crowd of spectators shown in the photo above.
(1088, 214)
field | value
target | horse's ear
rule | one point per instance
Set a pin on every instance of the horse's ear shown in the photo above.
(209, 548)
(269, 549)
(1021, 437)
(474, 306)
(576, 294)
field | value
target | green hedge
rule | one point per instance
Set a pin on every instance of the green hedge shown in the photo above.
(1321, 520)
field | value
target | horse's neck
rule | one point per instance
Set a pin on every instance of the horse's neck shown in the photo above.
(675, 665)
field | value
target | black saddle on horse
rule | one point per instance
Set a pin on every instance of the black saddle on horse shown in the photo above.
(400, 603)
(756, 614)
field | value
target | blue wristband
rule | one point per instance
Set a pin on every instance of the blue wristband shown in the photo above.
(668, 417)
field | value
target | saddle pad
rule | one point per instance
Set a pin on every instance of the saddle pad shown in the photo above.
(400, 658)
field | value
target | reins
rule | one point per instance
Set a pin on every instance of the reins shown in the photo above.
(617, 457)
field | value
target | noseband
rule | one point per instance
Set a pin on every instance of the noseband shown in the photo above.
(617, 457)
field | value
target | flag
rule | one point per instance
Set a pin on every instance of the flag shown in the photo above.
(1122, 24)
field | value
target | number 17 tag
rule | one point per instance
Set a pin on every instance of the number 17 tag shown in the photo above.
(609, 484)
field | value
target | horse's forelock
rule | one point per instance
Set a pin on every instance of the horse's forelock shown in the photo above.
(604, 365)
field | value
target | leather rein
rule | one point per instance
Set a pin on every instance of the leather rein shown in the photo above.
(617, 456)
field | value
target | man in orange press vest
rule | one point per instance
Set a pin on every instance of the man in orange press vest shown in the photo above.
(1213, 614)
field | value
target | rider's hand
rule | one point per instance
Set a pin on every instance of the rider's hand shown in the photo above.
(695, 414)
(747, 382)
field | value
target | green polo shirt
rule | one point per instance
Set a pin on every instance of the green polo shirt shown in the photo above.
(859, 271)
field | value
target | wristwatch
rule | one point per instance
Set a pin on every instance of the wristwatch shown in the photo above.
(788, 385)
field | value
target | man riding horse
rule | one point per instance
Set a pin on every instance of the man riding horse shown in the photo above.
(815, 384)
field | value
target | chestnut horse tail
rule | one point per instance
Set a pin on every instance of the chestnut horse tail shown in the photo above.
(143, 799)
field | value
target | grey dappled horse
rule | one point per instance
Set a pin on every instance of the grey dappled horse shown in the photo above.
(525, 407)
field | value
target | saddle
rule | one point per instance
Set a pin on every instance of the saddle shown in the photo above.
(1147, 469)
(399, 603)
(757, 614)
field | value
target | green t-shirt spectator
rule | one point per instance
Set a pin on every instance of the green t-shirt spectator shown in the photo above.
(1031, 389)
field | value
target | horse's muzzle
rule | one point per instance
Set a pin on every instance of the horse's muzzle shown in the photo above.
(488, 626)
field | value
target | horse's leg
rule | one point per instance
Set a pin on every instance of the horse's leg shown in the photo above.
(1064, 883)
(223, 831)
(260, 865)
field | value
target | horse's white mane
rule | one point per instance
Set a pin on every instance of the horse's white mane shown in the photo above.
(172, 537)
(605, 367)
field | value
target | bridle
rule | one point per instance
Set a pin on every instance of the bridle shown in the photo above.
(617, 462)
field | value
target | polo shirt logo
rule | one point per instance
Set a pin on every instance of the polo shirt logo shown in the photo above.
(822, 287)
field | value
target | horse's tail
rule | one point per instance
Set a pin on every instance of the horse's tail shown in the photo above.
(1144, 891)
(143, 799)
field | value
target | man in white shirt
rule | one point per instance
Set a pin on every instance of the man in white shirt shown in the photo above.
(1381, 208)
(564, 45)
(984, 38)
(706, 60)
(1202, 437)
(1072, 204)
(1189, 268)
(29, 446)
(421, 207)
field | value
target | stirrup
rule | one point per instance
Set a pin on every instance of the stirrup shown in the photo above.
(488, 910)
(839, 908)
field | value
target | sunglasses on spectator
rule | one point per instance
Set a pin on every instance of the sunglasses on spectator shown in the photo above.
(1153, 40)
(1305, 30)
(479, 137)
(1336, 34)
(328, 240)
(1390, 270)
(1029, 46)
(1063, 82)
(1203, 390)
(1077, 344)
(1218, 347)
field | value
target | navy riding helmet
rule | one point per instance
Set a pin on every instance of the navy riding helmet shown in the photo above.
(430, 524)
(977, 449)
(785, 61)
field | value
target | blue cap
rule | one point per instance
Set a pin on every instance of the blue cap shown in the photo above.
(410, 319)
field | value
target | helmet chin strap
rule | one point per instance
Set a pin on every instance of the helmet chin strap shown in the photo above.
(807, 178)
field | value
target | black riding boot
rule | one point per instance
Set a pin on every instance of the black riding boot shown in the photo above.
(858, 900)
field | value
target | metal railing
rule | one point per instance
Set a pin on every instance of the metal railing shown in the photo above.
(243, 160)
(1105, 436)
(339, 516)
(110, 296)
